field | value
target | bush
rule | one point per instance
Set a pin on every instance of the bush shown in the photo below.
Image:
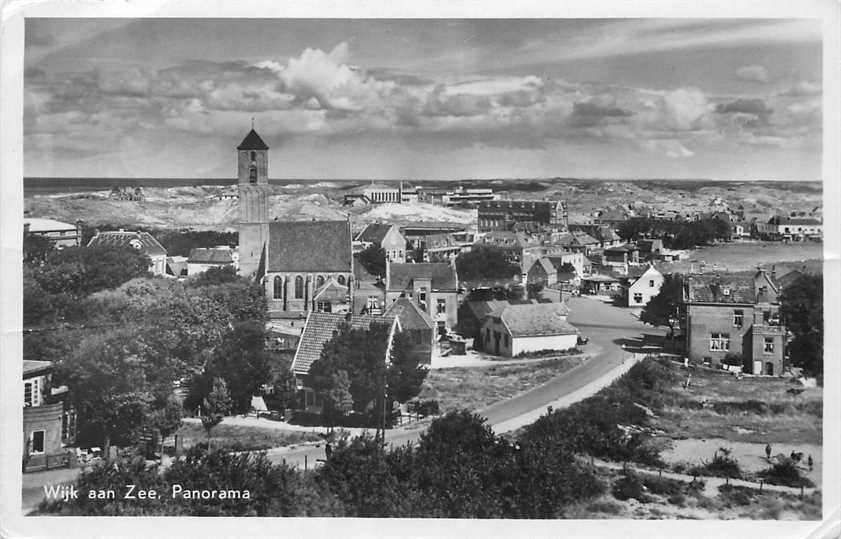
(629, 486)
(736, 495)
(785, 473)
(722, 465)
(663, 486)
(605, 506)
(678, 499)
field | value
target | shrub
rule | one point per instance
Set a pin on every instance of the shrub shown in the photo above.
(786, 473)
(663, 485)
(678, 499)
(736, 495)
(629, 486)
(722, 465)
(605, 506)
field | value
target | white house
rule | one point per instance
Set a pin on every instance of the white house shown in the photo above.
(517, 329)
(645, 287)
(141, 241)
(62, 234)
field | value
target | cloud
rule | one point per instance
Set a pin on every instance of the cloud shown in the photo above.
(594, 109)
(35, 36)
(670, 148)
(755, 73)
(754, 106)
(803, 89)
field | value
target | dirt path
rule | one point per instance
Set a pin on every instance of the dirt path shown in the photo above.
(711, 484)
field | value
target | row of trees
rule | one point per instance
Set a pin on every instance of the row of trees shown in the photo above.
(676, 234)
(459, 469)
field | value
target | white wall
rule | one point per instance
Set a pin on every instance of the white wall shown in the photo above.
(533, 344)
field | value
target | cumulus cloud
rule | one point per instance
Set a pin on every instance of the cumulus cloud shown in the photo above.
(754, 73)
(668, 147)
(803, 89)
(754, 106)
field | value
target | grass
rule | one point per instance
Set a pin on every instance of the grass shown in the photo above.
(475, 388)
(241, 438)
(751, 410)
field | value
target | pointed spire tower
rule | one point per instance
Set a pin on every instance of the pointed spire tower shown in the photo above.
(253, 184)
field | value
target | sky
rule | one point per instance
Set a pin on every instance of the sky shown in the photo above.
(426, 99)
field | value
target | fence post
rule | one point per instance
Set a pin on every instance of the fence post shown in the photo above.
(760, 486)
(305, 463)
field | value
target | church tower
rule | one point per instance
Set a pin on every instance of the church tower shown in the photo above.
(253, 184)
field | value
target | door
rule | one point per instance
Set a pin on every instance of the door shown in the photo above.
(757, 367)
(769, 368)
(497, 337)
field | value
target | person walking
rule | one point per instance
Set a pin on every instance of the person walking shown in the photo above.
(810, 462)
(768, 451)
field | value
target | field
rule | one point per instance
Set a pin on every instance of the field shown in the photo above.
(477, 387)
(744, 256)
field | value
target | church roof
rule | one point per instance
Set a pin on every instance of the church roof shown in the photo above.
(309, 246)
(252, 141)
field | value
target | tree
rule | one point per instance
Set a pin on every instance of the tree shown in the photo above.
(337, 400)
(84, 270)
(215, 275)
(801, 310)
(405, 374)
(666, 308)
(242, 361)
(166, 417)
(215, 406)
(372, 259)
(36, 249)
(108, 385)
(485, 262)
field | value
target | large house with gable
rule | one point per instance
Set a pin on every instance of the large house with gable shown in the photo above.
(141, 241)
(727, 314)
(432, 286)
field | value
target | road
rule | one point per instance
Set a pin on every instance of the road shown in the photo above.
(607, 328)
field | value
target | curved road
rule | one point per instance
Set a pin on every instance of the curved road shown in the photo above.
(607, 328)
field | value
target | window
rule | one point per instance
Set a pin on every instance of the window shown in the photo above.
(253, 156)
(738, 318)
(341, 280)
(278, 287)
(372, 302)
(37, 441)
(442, 306)
(651, 283)
(769, 345)
(323, 306)
(319, 281)
(719, 342)
(299, 287)
(252, 175)
(31, 394)
(27, 394)
(506, 340)
(637, 297)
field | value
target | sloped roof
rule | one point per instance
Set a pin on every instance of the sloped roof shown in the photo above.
(374, 233)
(410, 315)
(202, 255)
(142, 241)
(330, 290)
(32, 367)
(442, 275)
(720, 289)
(320, 328)
(37, 224)
(536, 319)
(783, 220)
(649, 271)
(252, 141)
(624, 248)
(482, 308)
(545, 263)
(310, 246)
(789, 278)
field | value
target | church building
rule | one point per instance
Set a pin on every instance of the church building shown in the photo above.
(304, 266)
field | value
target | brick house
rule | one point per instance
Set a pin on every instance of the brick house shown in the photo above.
(735, 315)
(48, 424)
(541, 272)
(433, 286)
